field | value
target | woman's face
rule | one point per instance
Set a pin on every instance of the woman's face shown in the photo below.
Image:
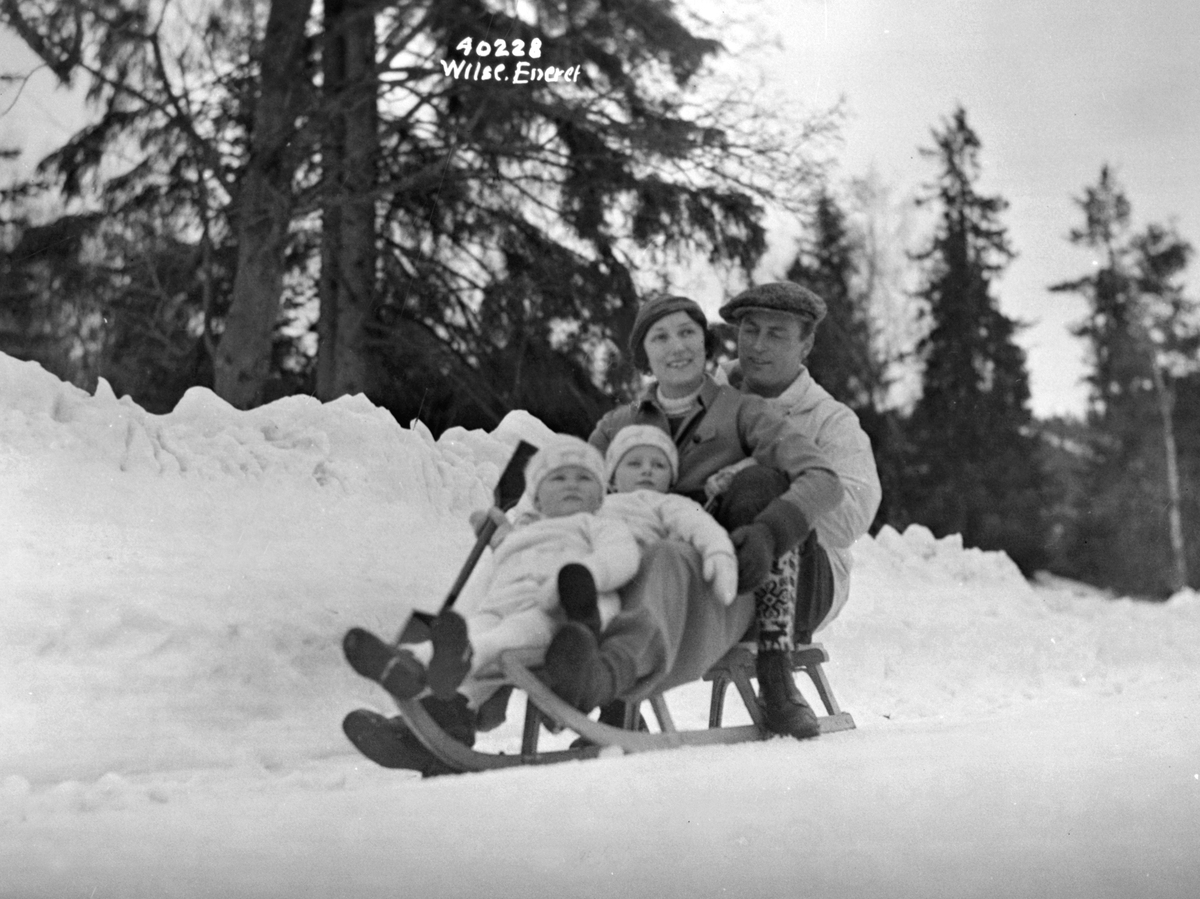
(674, 348)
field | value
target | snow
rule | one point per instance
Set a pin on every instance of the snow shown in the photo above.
(174, 589)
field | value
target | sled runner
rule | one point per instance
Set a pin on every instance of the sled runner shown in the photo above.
(544, 708)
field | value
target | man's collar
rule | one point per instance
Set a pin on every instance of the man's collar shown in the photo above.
(731, 373)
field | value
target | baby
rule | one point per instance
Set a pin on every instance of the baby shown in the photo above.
(559, 555)
(642, 463)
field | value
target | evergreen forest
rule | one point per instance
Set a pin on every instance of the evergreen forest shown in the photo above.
(278, 197)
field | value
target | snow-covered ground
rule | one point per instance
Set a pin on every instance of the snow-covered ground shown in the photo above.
(173, 590)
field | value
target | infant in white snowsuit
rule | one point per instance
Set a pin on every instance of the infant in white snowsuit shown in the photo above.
(512, 600)
(556, 550)
(641, 464)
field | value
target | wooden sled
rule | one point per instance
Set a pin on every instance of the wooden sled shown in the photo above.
(543, 707)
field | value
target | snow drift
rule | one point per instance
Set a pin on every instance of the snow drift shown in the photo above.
(174, 589)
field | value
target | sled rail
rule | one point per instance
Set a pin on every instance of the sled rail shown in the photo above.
(545, 709)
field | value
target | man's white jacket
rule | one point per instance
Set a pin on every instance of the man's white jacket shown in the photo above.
(835, 429)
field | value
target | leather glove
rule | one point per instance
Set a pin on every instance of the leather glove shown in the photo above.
(721, 571)
(755, 546)
(788, 525)
(777, 528)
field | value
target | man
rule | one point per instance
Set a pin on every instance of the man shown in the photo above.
(777, 324)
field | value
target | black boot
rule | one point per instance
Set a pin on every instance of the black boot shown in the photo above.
(583, 674)
(577, 595)
(396, 670)
(454, 716)
(451, 662)
(784, 709)
(389, 742)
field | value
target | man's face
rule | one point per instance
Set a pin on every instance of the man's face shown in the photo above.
(772, 347)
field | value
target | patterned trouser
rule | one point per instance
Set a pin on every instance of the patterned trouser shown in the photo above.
(775, 603)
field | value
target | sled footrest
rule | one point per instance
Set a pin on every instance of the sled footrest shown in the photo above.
(737, 667)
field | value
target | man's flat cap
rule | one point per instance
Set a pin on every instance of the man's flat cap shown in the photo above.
(779, 296)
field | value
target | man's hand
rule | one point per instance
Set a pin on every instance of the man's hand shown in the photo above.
(755, 547)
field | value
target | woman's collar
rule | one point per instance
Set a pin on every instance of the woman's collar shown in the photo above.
(708, 392)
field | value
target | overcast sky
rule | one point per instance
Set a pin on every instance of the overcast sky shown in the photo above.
(1053, 89)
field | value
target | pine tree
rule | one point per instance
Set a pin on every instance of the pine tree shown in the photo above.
(975, 463)
(843, 358)
(474, 237)
(1143, 334)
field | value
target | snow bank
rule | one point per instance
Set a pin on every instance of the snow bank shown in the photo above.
(176, 585)
(174, 589)
(348, 446)
(171, 582)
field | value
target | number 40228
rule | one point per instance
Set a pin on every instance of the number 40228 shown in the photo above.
(499, 47)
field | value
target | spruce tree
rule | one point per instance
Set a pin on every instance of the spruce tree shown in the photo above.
(472, 238)
(843, 358)
(1141, 331)
(975, 467)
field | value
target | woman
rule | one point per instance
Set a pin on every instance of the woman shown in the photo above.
(671, 630)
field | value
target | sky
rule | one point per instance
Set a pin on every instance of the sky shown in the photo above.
(1053, 90)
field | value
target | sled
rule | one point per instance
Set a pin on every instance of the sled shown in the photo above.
(544, 709)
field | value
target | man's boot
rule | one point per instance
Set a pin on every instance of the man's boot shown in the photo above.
(784, 709)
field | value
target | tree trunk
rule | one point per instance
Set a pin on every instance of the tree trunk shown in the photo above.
(264, 208)
(1166, 406)
(349, 153)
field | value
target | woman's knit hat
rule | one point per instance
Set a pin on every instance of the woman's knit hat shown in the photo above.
(650, 312)
(641, 435)
(559, 452)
